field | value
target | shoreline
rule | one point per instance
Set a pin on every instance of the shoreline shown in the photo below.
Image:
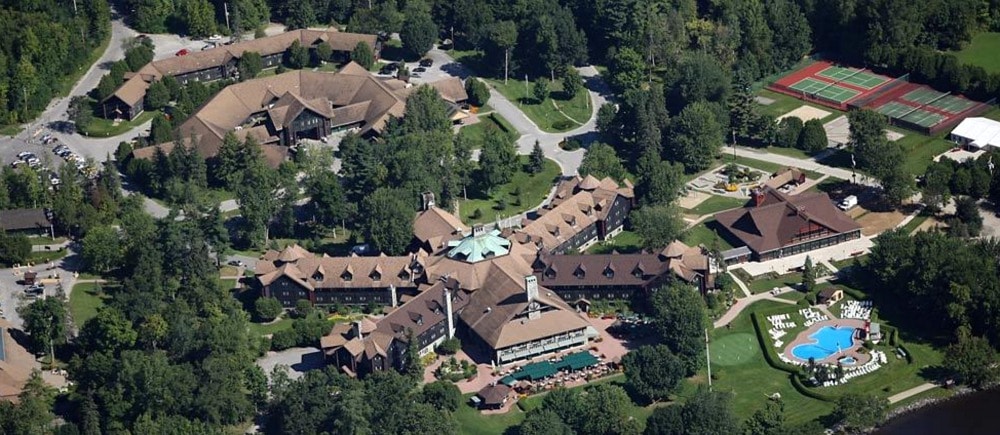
(928, 402)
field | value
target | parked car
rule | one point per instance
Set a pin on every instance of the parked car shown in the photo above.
(415, 75)
(237, 263)
(182, 52)
(54, 179)
(848, 203)
(23, 155)
(207, 47)
(16, 163)
(419, 69)
(426, 62)
(46, 137)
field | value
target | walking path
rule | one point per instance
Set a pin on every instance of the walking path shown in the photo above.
(911, 392)
(743, 303)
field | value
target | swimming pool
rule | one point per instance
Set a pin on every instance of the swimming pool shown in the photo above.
(848, 361)
(827, 341)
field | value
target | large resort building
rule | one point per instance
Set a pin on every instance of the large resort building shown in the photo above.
(775, 225)
(503, 292)
(220, 63)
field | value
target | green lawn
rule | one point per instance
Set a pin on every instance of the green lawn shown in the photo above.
(84, 300)
(472, 422)
(45, 240)
(546, 115)
(226, 284)
(706, 233)
(768, 284)
(492, 123)
(533, 190)
(982, 51)
(783, 104)
(750, 378)
(715, 204)
(261, 329)
(916, 222)
(10, 130)
(46, 256)
(918, 149)
(765, 166)
(625, 242)
(101, 127)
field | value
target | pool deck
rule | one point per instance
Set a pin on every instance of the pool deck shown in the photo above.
(803, 338)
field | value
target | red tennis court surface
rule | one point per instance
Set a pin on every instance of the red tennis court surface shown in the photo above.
(908, 105)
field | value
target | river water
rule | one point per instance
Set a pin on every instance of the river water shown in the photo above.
(971, 414)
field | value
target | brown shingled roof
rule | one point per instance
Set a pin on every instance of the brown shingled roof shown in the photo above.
(776, 221)
(24, 219)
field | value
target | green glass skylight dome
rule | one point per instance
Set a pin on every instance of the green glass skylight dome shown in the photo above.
(481, 245)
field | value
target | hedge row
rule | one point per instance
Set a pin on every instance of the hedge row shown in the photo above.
(909, 356)
(760, 328)
(793, 370)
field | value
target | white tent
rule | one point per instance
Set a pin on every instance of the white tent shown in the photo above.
(977, 133)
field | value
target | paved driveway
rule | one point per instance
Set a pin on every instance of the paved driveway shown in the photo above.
(295, 361)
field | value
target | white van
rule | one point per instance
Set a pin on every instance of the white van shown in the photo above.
(848, 203)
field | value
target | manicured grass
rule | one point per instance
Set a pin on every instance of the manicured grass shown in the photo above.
(789, 152)
(768, 284)
(769, 167)
(261, 329)
(545, 114)
(913, 224)
(489, 124)
(843, 264)
(10, 130)
(625, 242)
(47, 256)
(84, 300)
(792, 296)
(45, 240)
(895, 376)
(706, 233)
(918, 149)
(228, 271)
(783, 104)
(753, 380)
(733, 349)
(715, 204)
(533, 190)
(472, 422)
(101, 127)
(982, 51)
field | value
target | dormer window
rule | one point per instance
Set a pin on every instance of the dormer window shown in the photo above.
(609, 272)
(347, 276)
(550, 273)
(638, 273)
(404, 275)
(580, 272)
(375, 276)
(318, 276)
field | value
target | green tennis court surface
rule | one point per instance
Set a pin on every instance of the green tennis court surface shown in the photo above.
(824, 90)
(852, 77)
(922, 95)
(953, 104)
(907, 113)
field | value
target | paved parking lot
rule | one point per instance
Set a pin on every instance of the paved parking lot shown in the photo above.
(296, 361)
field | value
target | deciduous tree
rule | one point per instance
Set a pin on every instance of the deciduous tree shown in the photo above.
(973, 360)
(680, 321)
(387, 221)
(362, 54)
(267, 308)
(45, 322)
(497, 161)
(479, 93)
(657, 225)
(859, 411)
(572, 82)
(601, 161)
(653, 371)
(418, 33)
(696, 137)
(812, 138)
(442, 395)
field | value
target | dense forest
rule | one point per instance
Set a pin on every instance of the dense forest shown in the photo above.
(44, 43)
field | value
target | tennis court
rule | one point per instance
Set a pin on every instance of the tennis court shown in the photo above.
(854, 77)
(923, 118)
(953, 104)
(922, 95)
(825, 90)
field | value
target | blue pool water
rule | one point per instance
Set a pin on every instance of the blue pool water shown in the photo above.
(848, 361)
(828, 340)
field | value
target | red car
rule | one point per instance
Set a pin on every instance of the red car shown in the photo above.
(182, 52)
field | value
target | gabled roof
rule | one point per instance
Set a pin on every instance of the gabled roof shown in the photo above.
(775, 222)
(336, 272)
(23, 219)
(437, 223)
(578, 203)
(451, 90)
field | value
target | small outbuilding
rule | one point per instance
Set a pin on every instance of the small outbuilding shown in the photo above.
(493, 396)
(830, 295)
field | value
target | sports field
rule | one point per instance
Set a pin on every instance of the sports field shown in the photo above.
(853, 76)
(982, 51)
(825, 90)
(921, 117)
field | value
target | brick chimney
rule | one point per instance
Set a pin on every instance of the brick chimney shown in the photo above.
(758, 197)
(356, 327)
(478, 230)
(449, 314)
(531, 291)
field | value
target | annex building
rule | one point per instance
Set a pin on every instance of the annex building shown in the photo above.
(774, 224)
(278, 111)
(220, 63)
(977, 133)
(506, 294)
